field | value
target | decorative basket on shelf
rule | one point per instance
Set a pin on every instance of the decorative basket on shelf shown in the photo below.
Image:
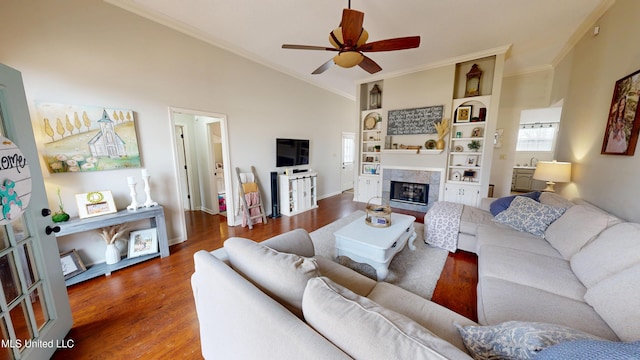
(378, 215)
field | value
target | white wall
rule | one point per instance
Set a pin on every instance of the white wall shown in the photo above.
(608, 181)
(424, 88)
(520, 92)
(87, 52)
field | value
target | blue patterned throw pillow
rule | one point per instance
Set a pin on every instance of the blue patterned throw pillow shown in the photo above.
(592, 350)
(516, 339)
(503, 203)
(525, 214)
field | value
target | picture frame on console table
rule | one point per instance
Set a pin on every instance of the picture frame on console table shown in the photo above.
(95, 203)
(623, 125)
(71, 264)
(143, 242)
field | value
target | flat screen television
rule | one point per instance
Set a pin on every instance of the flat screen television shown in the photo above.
(292, 152)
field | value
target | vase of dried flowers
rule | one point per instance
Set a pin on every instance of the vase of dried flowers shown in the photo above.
(110, 235)
(443, 129)
(112, 254)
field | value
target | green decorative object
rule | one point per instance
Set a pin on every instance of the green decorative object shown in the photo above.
(60, 216)
(474, 145)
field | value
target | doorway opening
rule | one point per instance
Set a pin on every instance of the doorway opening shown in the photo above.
(348, 159)
(201, 151)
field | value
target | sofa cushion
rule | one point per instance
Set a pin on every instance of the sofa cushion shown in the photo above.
(365, 330)
(546, 273)
(472, 217)
(434, 317)
(513, 239)
(591, 349)
(282, 276)
(553, 199)
(502, 204)
(615, 249)
(344, 276)
(516, 339)
(617, 300)
(576, 227)
(525, 214)
(296, 241)
(501, 300)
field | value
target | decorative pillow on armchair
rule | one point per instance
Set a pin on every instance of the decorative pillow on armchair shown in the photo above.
(525, 214)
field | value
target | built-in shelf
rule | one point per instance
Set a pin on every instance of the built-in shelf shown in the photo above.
(412, 152)
(104, 269)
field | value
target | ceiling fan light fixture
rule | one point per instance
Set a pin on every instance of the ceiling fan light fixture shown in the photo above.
(348, 59)
(337, 40)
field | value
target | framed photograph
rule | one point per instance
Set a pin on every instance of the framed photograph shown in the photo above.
(71, 264)
(621, 131)
(472, 160)
(143, 242)
(463, 114)
(468, 175)
(476, 132)
(95, 203)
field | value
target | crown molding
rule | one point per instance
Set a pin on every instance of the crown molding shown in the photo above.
(505, 49)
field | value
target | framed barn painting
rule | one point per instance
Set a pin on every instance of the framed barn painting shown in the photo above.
(623, 125)
(81, 138)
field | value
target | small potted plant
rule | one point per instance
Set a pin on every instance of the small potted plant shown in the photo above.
(60, 216)
(474, 145)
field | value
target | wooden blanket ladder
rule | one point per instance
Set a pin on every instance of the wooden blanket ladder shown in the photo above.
(249, 184)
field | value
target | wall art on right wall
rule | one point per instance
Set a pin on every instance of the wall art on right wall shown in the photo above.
(621, 132)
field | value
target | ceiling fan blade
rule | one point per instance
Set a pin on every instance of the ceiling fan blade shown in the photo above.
(351, 26)
(324, 67)
(402, 43)
(369, 65)
(307, 47)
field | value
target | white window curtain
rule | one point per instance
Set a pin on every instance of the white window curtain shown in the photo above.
(537, 137)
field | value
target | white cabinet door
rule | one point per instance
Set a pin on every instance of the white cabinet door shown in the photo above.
(368, 189)
(463, 194)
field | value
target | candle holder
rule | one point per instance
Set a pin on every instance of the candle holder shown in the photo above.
(132, 191)
(147, 190)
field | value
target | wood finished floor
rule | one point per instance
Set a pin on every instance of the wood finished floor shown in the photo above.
(147, 311)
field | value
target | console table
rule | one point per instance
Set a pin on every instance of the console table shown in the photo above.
(155, 215)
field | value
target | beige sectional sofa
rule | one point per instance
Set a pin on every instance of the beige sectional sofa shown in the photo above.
(277, 300)
(582, 273)
(574, 284)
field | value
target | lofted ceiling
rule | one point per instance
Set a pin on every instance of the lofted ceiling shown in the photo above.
(538, 31)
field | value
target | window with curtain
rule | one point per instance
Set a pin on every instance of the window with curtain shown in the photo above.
(537, 137)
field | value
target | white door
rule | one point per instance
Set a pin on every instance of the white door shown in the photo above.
(34, 305)
(348, 157)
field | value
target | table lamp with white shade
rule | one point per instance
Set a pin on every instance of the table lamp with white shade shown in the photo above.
(552, 172)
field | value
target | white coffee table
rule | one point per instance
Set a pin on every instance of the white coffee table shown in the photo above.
(375, 246)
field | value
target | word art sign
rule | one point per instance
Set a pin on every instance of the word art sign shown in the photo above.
(414, 121)
(15, 181)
